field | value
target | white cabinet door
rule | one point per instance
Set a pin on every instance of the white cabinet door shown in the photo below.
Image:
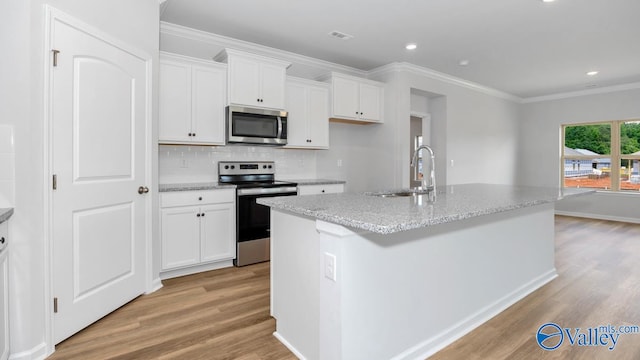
(297, 123)
(318, 117)
(180, 237)
(217, 232)
(308, 119)
(272, 86)
(208, 104)
(174, 102)
(254, 80)
(370, 100)
(192, 101)
(244, 82)
(345, 98)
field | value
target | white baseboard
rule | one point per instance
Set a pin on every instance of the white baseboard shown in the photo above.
(289, 346)
(195, 269)
(37, 352)
(598, 216)
(439, 342)
(156, 285)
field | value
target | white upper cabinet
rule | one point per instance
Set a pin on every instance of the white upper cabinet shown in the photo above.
(192, 101)
(308, 119)
(254, 80)
(356, 99)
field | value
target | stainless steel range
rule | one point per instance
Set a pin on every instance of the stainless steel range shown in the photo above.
(253, 180)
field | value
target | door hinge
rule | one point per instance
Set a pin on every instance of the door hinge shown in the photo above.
(55, 305)
(54, 182)
(55, 56)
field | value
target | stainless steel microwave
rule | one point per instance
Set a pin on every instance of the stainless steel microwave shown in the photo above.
(256, 126)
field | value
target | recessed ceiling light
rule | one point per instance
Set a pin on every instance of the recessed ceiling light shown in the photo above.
(464, 62)
(592, 73)
(340, 35)
(548, 0)
(411, 46)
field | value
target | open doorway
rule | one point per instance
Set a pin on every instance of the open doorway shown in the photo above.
(415, 139)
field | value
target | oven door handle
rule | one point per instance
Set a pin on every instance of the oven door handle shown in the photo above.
(267, 191)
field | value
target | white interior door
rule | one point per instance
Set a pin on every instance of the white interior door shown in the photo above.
(99, 109)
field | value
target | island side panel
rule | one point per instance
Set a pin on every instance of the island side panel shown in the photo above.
(407, 295)
(295, 282)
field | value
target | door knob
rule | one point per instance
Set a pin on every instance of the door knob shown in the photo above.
(143, 190)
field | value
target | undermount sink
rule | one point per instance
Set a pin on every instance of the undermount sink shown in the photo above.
(398, 193)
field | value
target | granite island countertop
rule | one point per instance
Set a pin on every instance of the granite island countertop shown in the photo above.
(194, 186)
(5, 214)
(390, 215)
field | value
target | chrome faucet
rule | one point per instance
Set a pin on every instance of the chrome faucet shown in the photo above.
(428, 187)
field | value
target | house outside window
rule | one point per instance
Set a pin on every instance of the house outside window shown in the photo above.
(603, 155)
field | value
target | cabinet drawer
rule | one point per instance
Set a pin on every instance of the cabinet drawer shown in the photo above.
(320, 189)
(189, 198)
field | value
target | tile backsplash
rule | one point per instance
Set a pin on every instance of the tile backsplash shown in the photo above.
(7, 166)
(183, 163)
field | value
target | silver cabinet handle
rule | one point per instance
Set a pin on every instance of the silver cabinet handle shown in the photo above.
(143, 190)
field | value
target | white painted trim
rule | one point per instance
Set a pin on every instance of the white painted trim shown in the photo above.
(571, 94)
(431, 346)
(420, 114)
(597, 216)
(51, 15)
(169, 56)
(227, 42)
(156, 284)
(35, 353)
(436, 75)
(288, 345)
(168, 274)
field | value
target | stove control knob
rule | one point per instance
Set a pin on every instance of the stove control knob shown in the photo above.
(270, 166)
(233, 167)
(226, 167)
(264, 166)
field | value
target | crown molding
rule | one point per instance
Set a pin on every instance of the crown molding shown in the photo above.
(228, 42)
(571, 94)
(436, 75)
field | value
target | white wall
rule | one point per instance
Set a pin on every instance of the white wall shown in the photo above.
(135, 22)
(540, 145)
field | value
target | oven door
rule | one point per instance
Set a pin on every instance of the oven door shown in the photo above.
(256, 126)
(254, 222)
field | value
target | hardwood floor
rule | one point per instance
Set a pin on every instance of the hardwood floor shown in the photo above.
(224, 314)
(598, 264)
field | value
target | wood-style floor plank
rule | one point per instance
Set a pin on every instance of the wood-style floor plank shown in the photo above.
(224, 314)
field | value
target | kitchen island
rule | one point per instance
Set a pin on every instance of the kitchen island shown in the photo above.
(361, 276)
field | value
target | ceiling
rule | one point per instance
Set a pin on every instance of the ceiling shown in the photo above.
(527, 48)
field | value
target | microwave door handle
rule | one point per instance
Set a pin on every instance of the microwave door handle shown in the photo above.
(279, 127)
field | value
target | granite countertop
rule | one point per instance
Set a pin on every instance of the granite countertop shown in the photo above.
(193, 186)
(390, 215)
(5, 214)
(302, 182)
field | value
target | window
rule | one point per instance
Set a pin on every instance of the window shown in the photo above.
(602, 155)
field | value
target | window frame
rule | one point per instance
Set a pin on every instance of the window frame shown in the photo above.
(616, 155)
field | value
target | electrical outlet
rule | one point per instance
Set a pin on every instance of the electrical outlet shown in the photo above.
(184, 163)
(339, 162)
(330, 266)
(451, 162)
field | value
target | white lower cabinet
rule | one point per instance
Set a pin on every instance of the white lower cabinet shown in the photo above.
(320, 189)
(197, 228)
